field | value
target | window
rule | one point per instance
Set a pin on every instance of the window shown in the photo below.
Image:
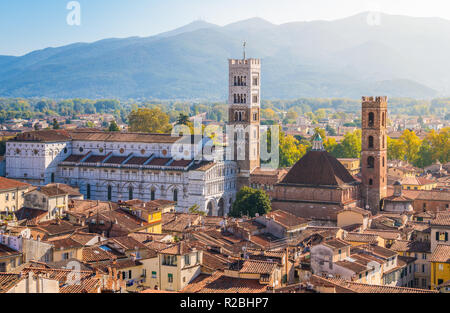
(170, 260)
(424, 256)
(441, 267)
(130, 193)
(175, 195)
(441, 236)
(88, 191)
(371, 119)
(370, 141)
(52, 177)
(3, 267)
(370, 181)
(152, 194)
(423, 268)
(109, 193)
(370, 162)
(153, 274)
(170, 278)
(130, 274)
(187, 260)
(65, 256)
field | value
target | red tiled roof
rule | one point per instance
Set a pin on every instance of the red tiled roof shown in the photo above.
(75, 158)
(441, 219)
(219, 283)
(159, 161)
(116, 160)
(441, 254)
(137, 160)
(257, 267)
(6, 183)
(180, 163)
(318, 168)
(95, 159)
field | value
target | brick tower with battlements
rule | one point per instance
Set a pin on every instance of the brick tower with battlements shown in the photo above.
(374, 152)
(244, 116)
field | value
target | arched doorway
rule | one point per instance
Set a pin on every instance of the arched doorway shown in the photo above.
(210, 208)
(221, 211)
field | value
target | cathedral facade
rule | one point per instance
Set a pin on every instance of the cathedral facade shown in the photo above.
(114, 166)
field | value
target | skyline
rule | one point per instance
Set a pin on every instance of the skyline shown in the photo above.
(34, 26)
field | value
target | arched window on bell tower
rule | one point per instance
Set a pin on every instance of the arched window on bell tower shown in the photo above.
(370, 162)
(370, 141)
(371, 120)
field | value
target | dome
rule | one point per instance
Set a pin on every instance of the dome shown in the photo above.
(318, 168)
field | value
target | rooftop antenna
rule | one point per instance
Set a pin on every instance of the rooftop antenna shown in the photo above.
(243, 46)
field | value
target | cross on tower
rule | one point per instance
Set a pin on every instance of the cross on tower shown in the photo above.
(243, 46)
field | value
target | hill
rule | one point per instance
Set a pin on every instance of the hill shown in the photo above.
(402, 57)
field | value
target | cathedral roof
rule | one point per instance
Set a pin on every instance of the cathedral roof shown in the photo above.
(318, 168)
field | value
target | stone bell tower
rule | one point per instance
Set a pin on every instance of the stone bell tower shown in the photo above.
(374, 152)
(244, 116)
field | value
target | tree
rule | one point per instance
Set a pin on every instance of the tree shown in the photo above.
(195, 209)
(330, 130)
(350, 147)
(412, 143)
(396, 149)
(290, 150)
(113, 127)
(250, 201)
(55, 124)
(269, 114)
(149, 121)
(183, 119)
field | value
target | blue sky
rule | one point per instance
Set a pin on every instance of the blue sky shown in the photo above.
(27, 25)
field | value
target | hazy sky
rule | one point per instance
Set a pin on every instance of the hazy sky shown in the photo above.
(27, 25)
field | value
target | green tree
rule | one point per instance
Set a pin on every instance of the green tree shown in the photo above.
(290, 150)
(183, 119)
(250, 201)
(195, 209)
(55, 124)
(149, 121)
(113, 127)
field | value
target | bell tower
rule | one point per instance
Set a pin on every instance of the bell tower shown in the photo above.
(374, 152)
(244, 115)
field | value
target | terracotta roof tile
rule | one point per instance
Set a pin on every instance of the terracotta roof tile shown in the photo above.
(318, 168)
(6, 183)
(441, 254)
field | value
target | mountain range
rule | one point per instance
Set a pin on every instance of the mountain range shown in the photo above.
(401, 57)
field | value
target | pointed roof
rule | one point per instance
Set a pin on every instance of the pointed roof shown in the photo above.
(318, 168)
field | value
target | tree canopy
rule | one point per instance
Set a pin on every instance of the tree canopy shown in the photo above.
(250, 201)
(149, 120)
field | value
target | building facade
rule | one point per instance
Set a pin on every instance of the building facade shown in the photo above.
(123, 166)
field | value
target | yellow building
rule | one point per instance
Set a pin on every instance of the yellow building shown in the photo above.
(150, 211)
(11, 195)
(353, 165)
(440, 265)
(9, 258)
(418, 183)
(65, 249)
